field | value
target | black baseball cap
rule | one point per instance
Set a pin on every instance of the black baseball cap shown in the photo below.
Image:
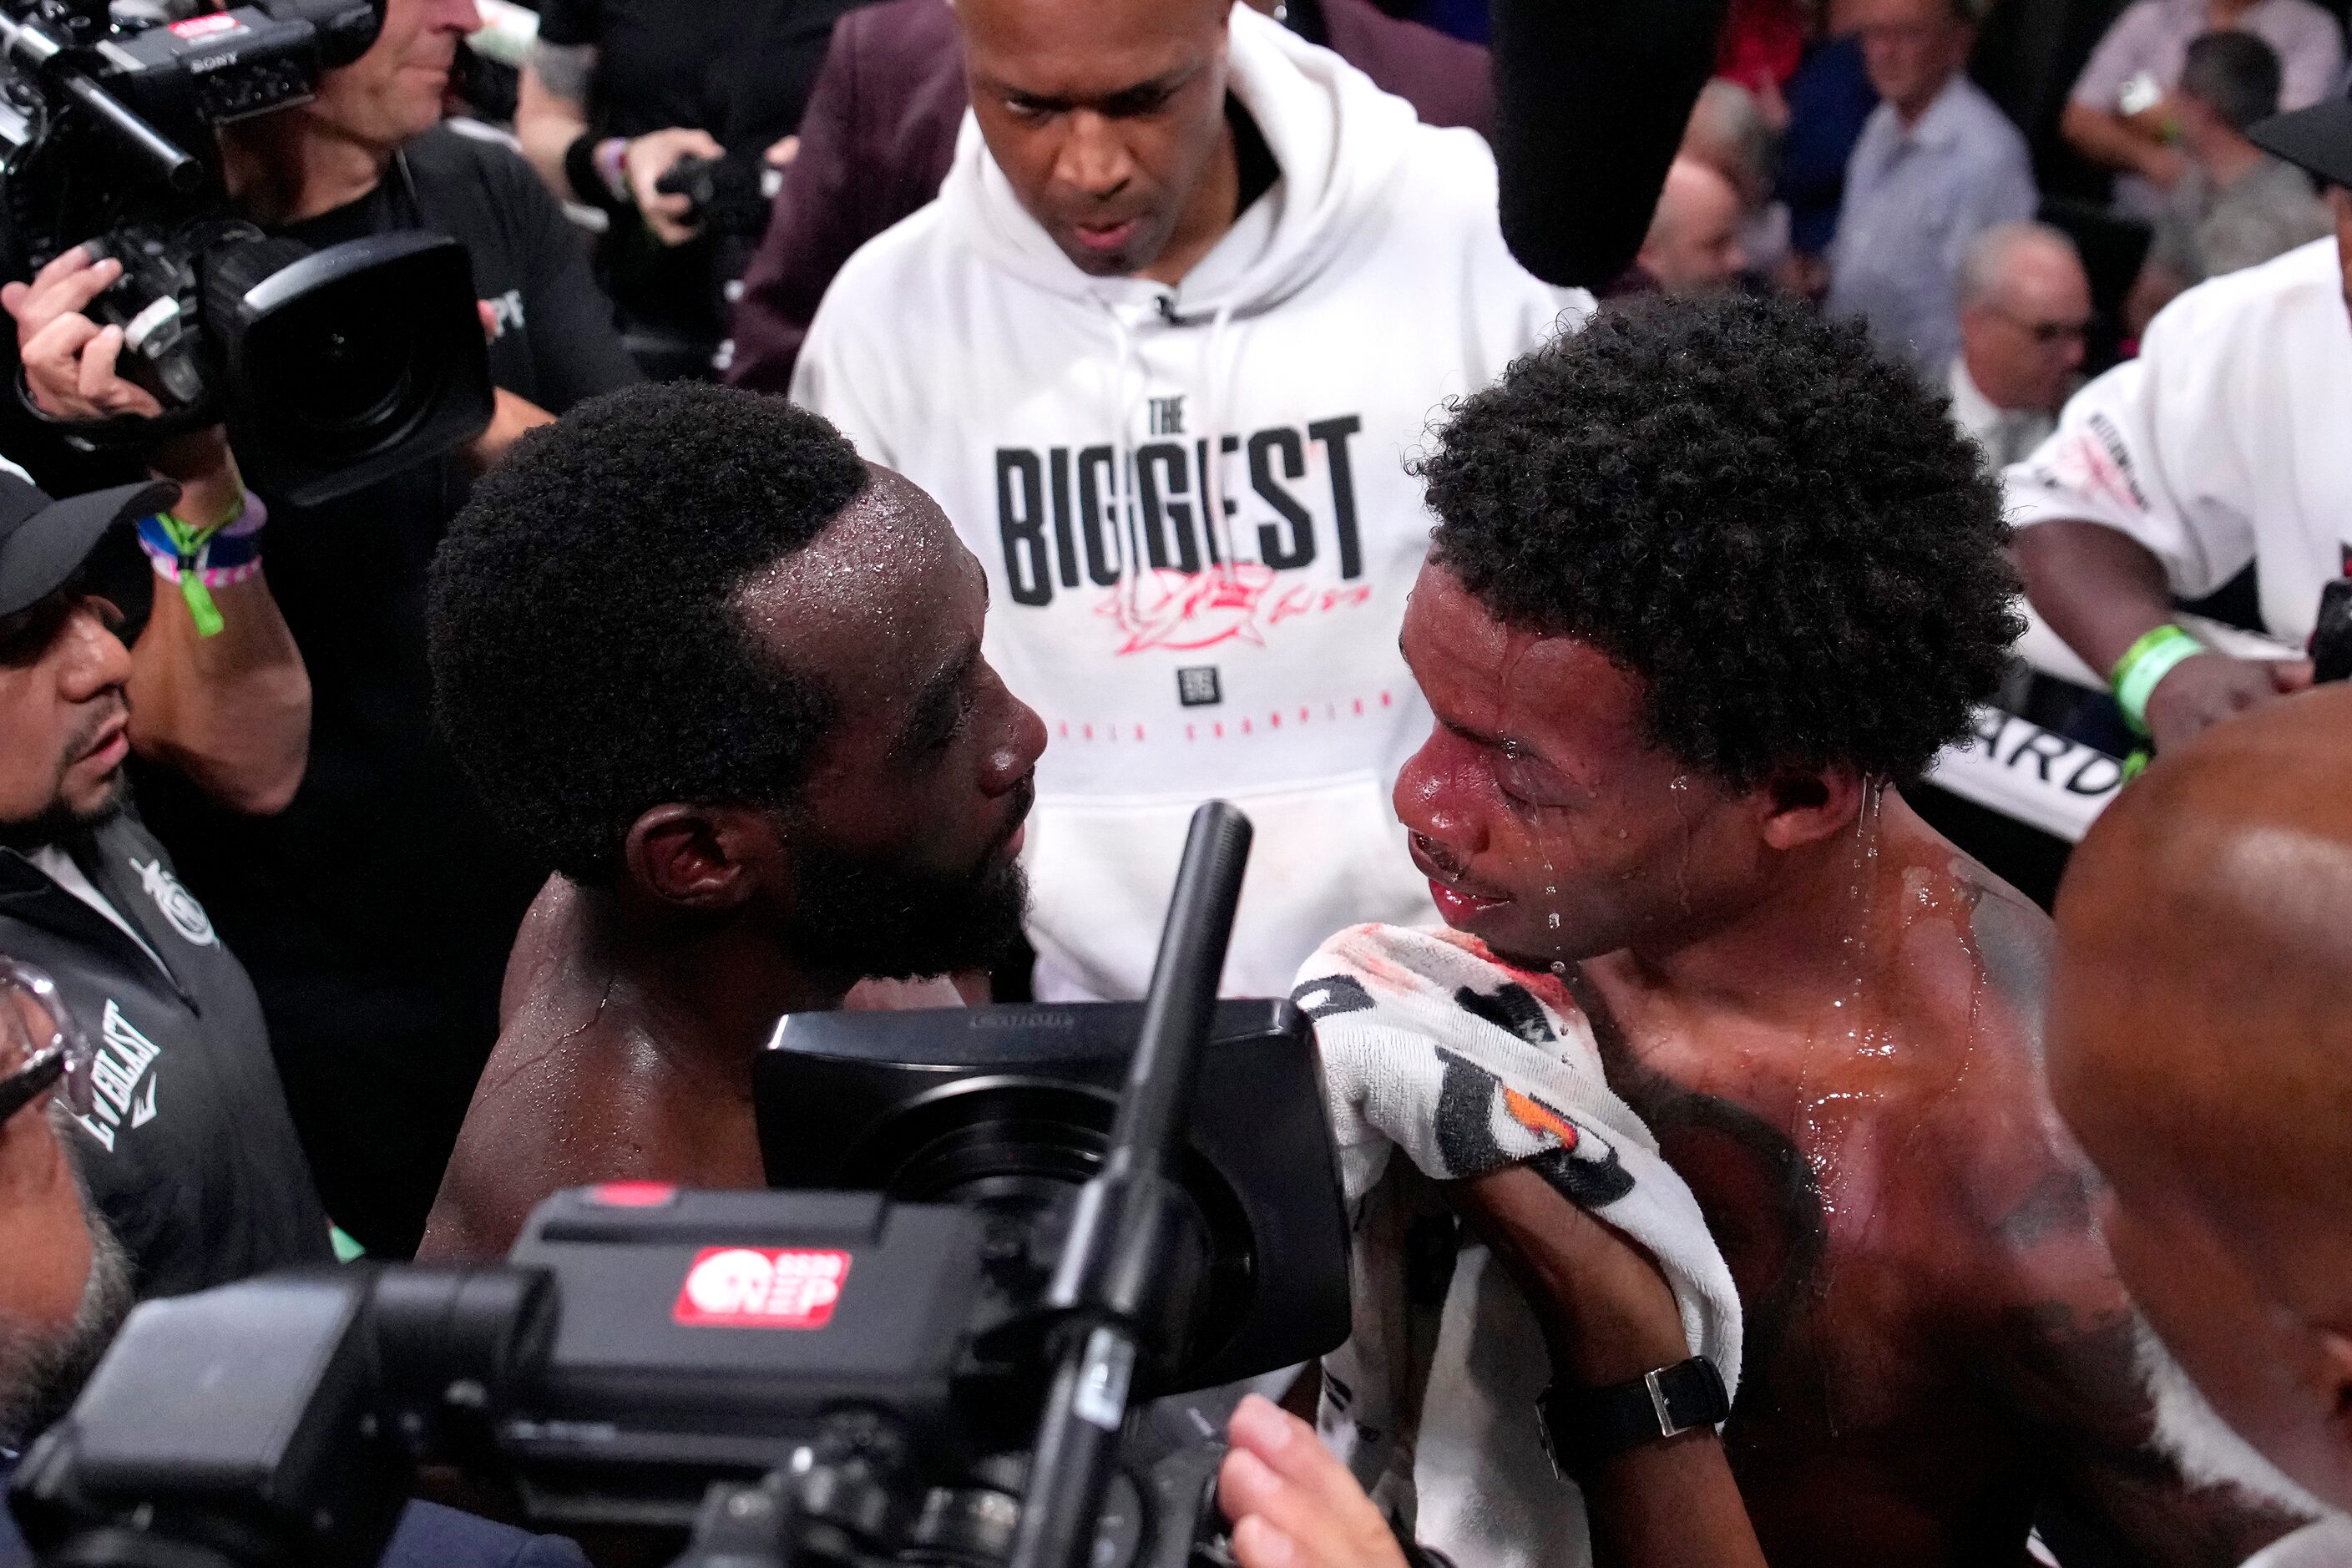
(45, 542)
(2318, 139)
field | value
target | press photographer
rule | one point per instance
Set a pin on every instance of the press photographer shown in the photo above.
(675, 121)
(376, 909)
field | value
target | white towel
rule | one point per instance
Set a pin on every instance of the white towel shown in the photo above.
(1431, 1046)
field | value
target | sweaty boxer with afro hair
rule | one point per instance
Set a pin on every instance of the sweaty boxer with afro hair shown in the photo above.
(726, 679)
(1710, 586)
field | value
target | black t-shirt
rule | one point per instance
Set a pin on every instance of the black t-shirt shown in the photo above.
(187, 1147)
(376, 913)
(740, 70)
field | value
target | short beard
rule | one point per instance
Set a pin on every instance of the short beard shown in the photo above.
(42, 1370)
(58, 822)
(894, 921)
(2208, 1450)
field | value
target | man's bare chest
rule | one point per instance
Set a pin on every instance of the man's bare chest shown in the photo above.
(1827, 1178)
(1863, 1429)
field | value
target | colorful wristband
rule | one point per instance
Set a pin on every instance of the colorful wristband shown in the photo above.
(200, 559)
(222, 551)
(610, 160)
(2145, 664)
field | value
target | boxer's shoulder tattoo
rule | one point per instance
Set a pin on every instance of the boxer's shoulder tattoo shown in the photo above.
(2012, 939)
(2057, 1206)
(1759, 1194)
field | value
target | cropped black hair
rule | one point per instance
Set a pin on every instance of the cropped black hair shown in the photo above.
(1780, 534)
(2236, 75)
(588, 659)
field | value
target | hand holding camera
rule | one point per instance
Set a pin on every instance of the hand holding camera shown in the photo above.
(647, 161)
(70, 370)
(69, 360)
(1291, 1504)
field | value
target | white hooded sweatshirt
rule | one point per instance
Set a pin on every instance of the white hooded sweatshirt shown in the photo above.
(1188, 633)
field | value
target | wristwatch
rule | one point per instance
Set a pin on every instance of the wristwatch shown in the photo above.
(1584, 1427)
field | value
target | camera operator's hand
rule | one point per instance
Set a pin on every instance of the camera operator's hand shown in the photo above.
(1291, 1503)
(646, 160)
(69, 358)
(2201, 693)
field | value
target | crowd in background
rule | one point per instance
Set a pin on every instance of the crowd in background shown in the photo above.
(474, 908)
(1880, 157)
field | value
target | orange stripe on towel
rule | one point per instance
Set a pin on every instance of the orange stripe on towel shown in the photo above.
(1536, 1118)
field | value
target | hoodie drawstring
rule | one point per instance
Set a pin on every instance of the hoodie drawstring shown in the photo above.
(1213, 474)
(1125, 526)
(1214, 375)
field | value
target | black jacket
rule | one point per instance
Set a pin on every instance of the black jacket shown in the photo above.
(187, 1147)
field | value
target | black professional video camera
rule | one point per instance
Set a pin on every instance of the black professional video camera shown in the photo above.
(813, 1377)
(332, 370)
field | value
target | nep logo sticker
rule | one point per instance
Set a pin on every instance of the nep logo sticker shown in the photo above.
(761, 1288)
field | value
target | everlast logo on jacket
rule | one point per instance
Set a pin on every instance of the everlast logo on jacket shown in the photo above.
(187, 1147)
(122, 1085)
(1193, 502)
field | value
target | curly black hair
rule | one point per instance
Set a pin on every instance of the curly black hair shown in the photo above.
(587, 661)
(1780, 534)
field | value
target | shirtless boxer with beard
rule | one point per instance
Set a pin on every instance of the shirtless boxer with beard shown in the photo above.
(727, 678)
(1709, 584)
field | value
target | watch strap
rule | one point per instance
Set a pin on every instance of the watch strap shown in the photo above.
(1584, 1427)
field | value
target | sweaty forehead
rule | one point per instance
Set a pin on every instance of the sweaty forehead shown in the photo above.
(876, 600)
(1500, 680)
(1082, 48)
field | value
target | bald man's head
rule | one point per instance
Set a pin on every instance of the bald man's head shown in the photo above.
(2025, 302)
(1693, 245)
(2201, 1046)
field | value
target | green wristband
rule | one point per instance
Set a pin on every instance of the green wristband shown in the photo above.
(2143, 665)
(190, 539)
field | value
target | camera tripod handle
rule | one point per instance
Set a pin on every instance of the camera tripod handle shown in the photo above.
(1117, 1265)
(1183, 1001)
(41, 52)
(175, 167)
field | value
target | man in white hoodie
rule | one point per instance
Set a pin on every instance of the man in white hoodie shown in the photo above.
(1190, 296)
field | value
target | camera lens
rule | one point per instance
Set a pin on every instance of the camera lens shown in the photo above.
(349, 364)
(358, 381)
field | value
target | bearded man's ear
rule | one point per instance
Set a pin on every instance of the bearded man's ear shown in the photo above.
(702, 856)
